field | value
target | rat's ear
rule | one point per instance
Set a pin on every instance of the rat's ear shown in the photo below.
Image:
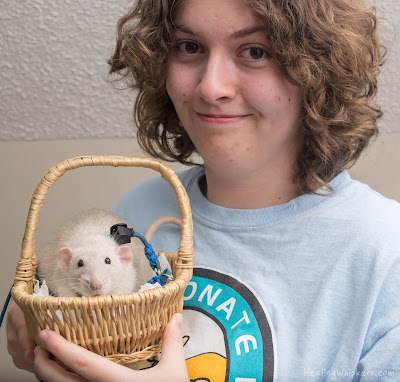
(125, 255)
(64, 258)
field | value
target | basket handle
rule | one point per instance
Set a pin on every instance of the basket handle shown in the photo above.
(26, 268)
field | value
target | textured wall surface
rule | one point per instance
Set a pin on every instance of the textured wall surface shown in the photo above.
(52, 70)
(53, 64)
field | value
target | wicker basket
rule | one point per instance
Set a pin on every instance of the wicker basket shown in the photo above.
(123, 328)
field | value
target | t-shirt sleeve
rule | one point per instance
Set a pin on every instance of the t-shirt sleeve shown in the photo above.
(380, 359)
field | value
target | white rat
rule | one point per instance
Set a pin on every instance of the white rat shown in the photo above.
(83, 259)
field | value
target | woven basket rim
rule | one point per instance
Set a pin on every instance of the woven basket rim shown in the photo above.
(115, 300)
(125, 295)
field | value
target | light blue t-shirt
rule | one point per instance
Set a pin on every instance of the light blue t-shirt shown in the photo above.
(304, 291)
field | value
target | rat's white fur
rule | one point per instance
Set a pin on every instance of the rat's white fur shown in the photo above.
(87, 236)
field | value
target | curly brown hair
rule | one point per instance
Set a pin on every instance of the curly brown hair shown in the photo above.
(327, 47)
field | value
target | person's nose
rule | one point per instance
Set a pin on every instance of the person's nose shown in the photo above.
(218, 82)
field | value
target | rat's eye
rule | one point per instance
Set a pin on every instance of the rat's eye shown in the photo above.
(80, 263)
(107, 260)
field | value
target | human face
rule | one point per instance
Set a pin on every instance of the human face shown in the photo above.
(242, 115)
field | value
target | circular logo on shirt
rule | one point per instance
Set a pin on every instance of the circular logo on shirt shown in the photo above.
(227, 332)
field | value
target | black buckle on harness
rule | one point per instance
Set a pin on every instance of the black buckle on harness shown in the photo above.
(121, 233)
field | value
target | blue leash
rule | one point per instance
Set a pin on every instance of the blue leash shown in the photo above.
(3, 312)
(161, 276)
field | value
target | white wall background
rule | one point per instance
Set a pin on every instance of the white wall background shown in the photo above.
(53, 63)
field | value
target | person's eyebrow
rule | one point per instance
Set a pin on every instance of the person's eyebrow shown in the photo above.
(184, 29)
(247, 32)
(236, 35)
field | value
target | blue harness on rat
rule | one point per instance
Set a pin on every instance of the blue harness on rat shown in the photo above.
(122, 235)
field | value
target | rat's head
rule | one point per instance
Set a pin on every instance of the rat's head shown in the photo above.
(96, 267)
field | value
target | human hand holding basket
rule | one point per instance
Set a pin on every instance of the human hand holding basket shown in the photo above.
(123, 328)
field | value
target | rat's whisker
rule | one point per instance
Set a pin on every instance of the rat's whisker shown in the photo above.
(53, 281)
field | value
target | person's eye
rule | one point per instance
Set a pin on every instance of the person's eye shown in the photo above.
(255, 53)
(188, 47)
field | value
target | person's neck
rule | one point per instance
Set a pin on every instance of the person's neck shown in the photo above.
(250, 192)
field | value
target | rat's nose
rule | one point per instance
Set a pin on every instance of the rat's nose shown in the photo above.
(96, 285)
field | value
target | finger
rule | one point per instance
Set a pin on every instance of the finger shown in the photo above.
(49, 370)
(172, 346)
(85, 363)
(172, 367)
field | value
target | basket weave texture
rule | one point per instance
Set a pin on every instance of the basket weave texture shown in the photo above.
(124, 328)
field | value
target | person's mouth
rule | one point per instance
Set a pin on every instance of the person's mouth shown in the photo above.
(221, 118)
